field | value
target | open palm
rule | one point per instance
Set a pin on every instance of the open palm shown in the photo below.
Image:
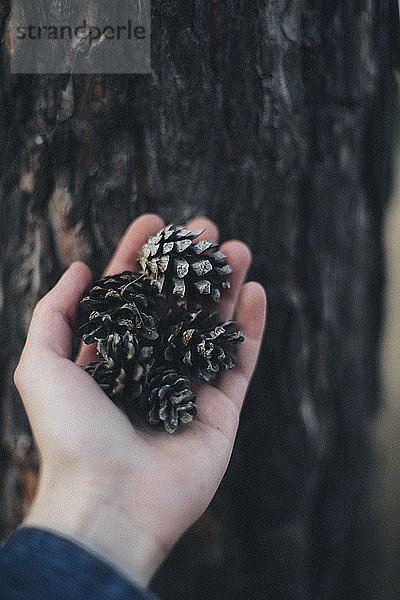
(147, 486)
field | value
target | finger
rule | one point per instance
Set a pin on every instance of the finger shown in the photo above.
(126, 255)
(125, 259)
(250, 316)
(54, 317)
(210, 229)
(239, 258)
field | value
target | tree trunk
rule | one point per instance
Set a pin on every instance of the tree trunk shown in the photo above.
(275, 119)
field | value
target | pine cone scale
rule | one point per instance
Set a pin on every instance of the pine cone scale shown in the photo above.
(181, 268)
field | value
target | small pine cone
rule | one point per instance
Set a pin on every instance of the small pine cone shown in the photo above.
(125, 367)
(200, 343)
(179, 266)
(169, 399)
(118, 303)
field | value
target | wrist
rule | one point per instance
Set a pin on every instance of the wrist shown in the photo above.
(99, 521)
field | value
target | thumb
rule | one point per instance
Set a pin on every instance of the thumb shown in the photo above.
(55, 315)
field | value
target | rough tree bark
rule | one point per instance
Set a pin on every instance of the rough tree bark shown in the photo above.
(274, 118)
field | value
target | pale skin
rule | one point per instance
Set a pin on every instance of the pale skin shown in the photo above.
(129, 493)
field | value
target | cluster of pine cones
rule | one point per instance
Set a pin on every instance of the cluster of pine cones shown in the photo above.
(152, 331)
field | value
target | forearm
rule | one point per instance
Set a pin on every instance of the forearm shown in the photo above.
(98, 520)
(37, 563)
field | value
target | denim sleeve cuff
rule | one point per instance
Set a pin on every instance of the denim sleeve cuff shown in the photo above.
(37, 563)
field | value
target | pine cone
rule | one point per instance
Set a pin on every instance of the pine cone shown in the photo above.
(118, 303)
(169, 399)
(124, 370)
(200, 343)
(181, 267)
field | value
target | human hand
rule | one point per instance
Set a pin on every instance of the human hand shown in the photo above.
(130, 493)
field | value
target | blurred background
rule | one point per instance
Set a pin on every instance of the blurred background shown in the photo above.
(388, 424)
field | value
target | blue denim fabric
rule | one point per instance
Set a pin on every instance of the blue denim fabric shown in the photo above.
(38, 564)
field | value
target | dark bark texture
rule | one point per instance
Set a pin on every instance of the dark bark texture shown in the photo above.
(275, 118)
